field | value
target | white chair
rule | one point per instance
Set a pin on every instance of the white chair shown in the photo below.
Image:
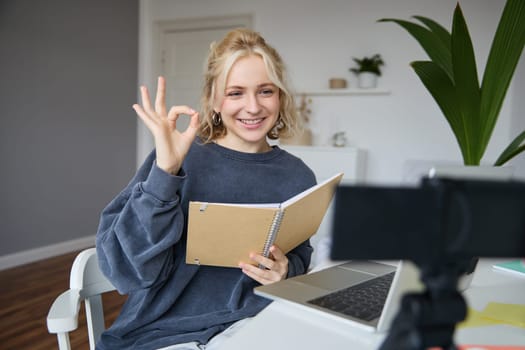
(86, 283)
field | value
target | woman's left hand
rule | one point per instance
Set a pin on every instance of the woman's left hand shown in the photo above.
(274, 269)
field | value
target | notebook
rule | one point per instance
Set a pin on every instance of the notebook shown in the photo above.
(224, 234)
(315, 291)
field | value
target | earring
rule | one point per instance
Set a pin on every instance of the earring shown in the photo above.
(216, 119)
(276, 128)
(279, 124)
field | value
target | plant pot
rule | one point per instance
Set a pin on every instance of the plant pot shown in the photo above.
(481, 172)
(367, 80)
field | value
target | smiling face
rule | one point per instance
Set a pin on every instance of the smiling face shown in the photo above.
(249, 106)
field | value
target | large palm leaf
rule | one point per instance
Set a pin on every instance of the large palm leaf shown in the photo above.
(452, 79)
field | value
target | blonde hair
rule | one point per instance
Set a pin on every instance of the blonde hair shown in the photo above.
(240, 43)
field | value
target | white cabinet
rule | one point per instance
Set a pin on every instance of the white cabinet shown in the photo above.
(325, 162)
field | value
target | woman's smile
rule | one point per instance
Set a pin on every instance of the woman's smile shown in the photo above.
(252, 122)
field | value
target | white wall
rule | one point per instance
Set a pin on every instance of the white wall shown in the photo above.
(317, 39)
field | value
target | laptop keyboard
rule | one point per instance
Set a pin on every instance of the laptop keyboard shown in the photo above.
(364, 301)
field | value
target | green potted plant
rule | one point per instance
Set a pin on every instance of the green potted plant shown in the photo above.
(367, 70)
(451, 77)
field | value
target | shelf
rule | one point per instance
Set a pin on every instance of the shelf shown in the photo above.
(344, 92)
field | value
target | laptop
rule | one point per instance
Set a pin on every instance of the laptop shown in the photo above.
(372, 288)
(363, 293)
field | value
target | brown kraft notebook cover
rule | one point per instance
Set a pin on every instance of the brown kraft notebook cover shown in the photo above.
(223, 234)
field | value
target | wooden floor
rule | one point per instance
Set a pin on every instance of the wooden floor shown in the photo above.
(27, 292)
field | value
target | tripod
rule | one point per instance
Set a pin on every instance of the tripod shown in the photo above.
(429, 318)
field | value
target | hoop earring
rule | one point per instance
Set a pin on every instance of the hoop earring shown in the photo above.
(277, 128)
(216, 119)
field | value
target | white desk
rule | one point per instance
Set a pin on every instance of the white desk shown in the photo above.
(283, 325)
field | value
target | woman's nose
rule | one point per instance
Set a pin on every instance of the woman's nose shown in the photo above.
(252, 105)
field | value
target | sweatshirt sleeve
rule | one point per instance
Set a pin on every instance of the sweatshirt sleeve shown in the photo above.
(139, 228)
(299, 259)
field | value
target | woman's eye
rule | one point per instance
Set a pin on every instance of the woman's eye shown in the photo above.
(267, 92)
(234, 93)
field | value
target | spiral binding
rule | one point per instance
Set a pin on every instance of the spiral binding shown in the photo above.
(273, 232)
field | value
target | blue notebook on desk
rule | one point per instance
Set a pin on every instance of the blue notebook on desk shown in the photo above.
(515, 267)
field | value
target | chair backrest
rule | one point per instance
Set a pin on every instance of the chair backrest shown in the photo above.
(88, 279)
(86, 276)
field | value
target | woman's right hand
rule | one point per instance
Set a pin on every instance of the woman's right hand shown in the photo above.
(171, 145)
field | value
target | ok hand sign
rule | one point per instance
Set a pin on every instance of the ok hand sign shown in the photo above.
(171, 145)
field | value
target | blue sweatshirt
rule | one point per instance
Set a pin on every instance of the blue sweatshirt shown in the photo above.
(141, 245)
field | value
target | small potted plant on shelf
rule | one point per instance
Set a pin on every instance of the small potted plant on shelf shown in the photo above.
(367, 70)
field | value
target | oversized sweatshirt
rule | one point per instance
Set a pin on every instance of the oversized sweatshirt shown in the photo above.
(141, 245)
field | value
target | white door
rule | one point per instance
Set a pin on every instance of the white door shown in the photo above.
(183, 63)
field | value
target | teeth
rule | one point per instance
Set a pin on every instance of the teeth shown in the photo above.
(250, 121)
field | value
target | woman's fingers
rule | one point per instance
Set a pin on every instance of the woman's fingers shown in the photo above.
(146, 101)
(273, 270)
(163, 124)
(261, 276)
(160, 99)
(194, 121)
(175, 111)
(160, 110)
(278, 254)
(143, 115)
(171, 145)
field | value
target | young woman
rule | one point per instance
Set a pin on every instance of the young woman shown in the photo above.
(141, 241)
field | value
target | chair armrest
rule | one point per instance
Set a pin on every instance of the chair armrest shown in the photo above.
(63, 314)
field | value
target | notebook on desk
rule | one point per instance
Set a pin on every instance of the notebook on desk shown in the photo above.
(363, 293)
